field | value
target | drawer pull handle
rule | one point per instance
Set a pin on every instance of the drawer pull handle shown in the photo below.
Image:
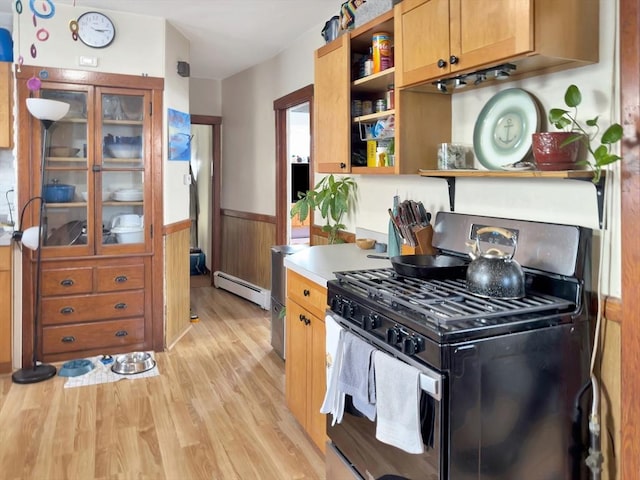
(121, 279)
(120, 306)
(304, 319)
(67, 282)
(67, 310)
(121, 333)
(306, 292)
(69, 339)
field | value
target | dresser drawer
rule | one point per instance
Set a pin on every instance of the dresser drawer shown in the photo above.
(307, 293)
(87, 308)
(86, 336)
(116, 278)
(67, 281)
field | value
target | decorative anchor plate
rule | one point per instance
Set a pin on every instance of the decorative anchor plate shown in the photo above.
(502, 134)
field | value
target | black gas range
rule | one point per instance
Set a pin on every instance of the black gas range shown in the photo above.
(506, 378)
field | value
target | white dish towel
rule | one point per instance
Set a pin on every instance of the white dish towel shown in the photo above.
(356, 377)
(397, 403)
(334, 399)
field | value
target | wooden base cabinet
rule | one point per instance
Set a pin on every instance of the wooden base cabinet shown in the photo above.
(305, 372)
(101, 288)
(5, 309)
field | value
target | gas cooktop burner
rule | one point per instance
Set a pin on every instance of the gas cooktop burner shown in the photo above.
(443, 303)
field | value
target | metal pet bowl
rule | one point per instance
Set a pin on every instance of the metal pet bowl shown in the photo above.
(132, 363)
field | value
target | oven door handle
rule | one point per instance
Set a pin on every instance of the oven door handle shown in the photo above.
(432, 385)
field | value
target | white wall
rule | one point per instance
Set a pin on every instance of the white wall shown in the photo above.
(145, 34)
(205, 97)
(249, 149)
(176, 97)
(248, 145)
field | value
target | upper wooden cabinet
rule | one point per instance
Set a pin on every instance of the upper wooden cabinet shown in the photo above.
(6, 102)
(331, 106)
(340, 144)
(437, 39)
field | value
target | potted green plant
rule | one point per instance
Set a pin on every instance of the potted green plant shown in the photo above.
(546, 145)
(333, 197)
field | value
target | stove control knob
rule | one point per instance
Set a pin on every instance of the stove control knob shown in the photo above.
(412, 345)
(370, 322)
(393, 335)
(334, 303)
(348, 309)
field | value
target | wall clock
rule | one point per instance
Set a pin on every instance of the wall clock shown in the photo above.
(95, 29)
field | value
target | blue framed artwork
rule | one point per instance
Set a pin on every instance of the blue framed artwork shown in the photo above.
(179, 135)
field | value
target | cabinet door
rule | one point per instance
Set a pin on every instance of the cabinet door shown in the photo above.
(296, 364)
(485, 31)
(66, 180)
(317, 422)
(421, 40)
(332, 117)
(122, 162)
(6, 110)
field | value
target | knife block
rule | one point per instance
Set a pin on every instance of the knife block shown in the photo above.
(424, 236)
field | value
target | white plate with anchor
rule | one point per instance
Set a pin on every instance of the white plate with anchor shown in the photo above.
(502, 134)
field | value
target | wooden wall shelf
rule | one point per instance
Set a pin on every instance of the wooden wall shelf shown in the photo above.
(585, 175)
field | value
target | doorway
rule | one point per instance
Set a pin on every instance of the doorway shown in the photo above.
(294, 162)
(205, 202)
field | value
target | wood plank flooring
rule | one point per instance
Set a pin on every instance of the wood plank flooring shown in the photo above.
(217, 411)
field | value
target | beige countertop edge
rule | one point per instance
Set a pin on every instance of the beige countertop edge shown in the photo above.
(5, 239)
(318, 263)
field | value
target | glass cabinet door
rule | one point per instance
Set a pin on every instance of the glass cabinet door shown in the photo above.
(123, 147)
(66, 184)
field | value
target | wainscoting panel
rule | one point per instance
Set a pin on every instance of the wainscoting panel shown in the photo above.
(246, 246)
(177, 285)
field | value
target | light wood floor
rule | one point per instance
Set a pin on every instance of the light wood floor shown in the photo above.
(216, 411)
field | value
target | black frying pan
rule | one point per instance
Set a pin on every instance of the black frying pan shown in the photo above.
(429, 266)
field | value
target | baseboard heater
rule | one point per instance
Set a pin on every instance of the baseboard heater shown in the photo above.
(243, 289)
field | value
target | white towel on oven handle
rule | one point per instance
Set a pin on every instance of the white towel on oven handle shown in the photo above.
(334, 399)
(397, 403)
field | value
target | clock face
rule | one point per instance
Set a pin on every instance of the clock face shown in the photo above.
(95, 29)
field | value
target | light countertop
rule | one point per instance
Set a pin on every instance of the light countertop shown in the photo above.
(318, 263)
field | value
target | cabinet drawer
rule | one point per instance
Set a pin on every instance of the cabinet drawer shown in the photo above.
(86, 336)
(67, 281)
(125, 277)
(307, 293)
(87, 308)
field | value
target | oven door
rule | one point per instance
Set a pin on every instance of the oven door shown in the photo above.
(355, 437)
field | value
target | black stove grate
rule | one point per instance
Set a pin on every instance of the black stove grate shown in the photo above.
(446, 303)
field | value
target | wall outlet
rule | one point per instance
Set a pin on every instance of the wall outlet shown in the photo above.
(87, 61)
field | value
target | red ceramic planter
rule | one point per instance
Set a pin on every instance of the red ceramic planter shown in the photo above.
(549, 154)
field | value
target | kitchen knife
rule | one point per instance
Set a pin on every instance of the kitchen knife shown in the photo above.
(426, 216)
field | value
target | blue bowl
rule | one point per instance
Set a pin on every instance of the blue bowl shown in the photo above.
(75, 368)
(59, 193)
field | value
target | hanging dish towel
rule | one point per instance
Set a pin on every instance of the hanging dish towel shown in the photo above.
(356, 375)
(397, 403)
(333, 400)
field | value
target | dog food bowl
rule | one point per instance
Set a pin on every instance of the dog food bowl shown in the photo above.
(132, 363)
(75, 368)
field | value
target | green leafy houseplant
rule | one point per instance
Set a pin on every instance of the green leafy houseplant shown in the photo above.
(333, 197)
(588, 133)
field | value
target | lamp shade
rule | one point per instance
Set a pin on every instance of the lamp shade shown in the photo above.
(30, 238)
(46, 109)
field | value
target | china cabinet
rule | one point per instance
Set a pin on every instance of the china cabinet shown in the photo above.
(101, 190)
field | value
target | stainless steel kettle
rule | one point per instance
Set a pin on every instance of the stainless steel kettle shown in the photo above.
(493, 273)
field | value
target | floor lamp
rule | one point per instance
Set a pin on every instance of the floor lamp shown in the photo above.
(47, 111)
